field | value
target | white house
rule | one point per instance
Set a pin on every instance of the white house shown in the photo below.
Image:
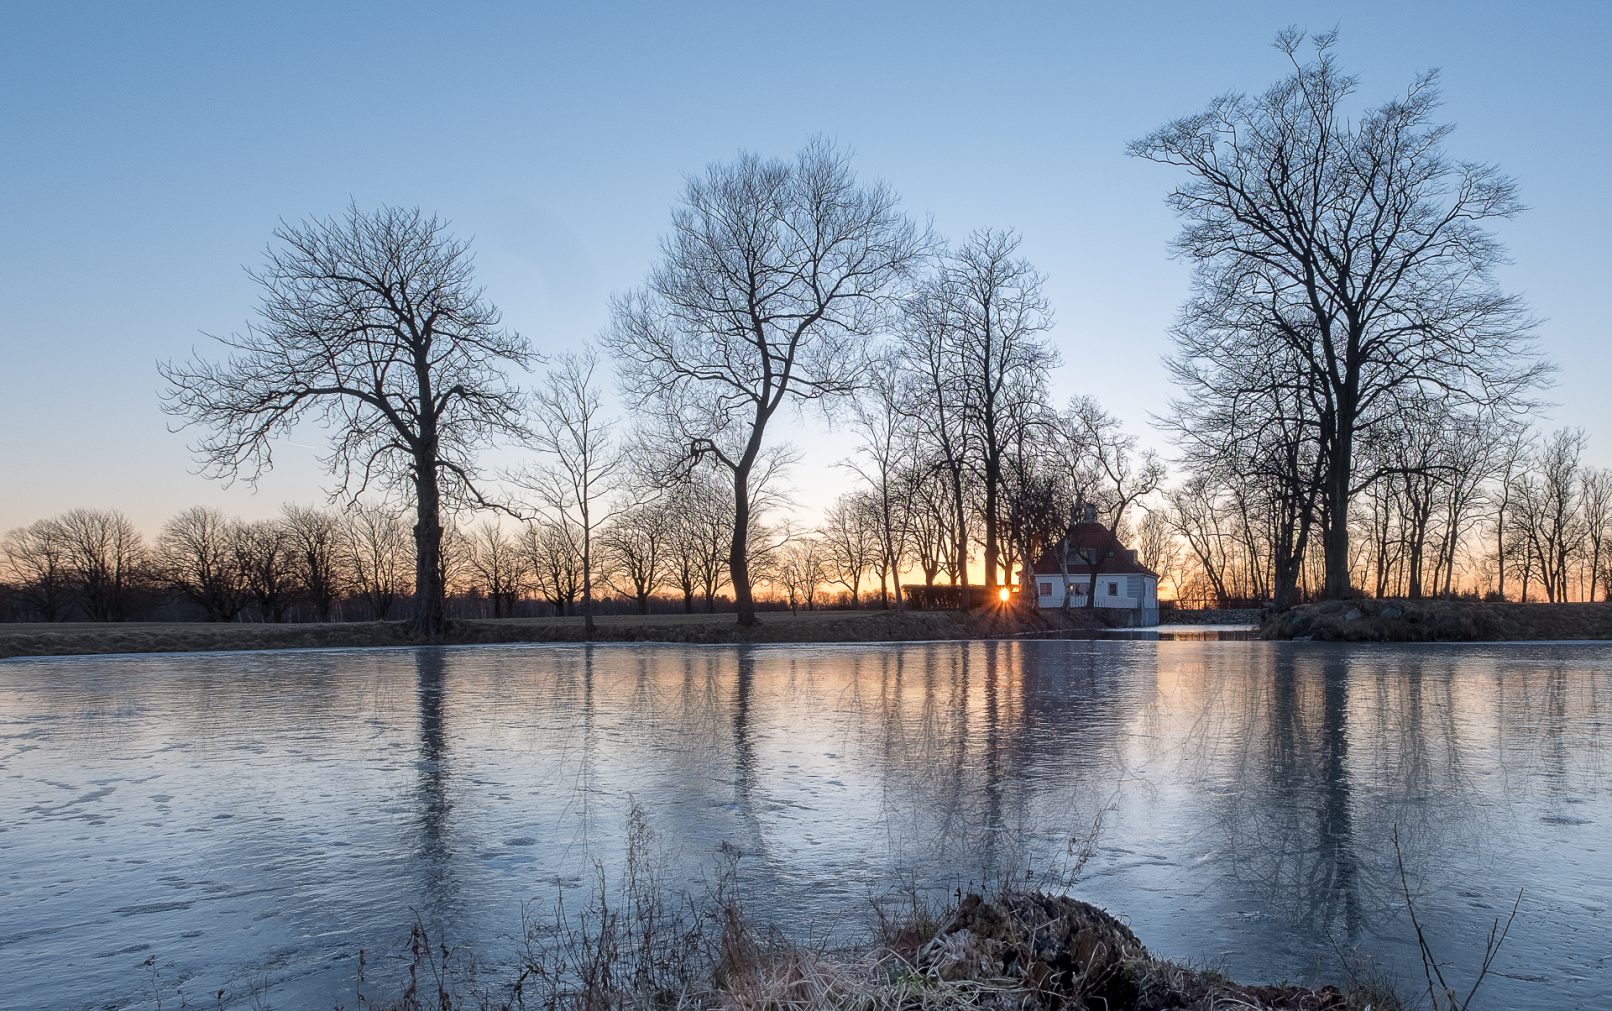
(1126, 590)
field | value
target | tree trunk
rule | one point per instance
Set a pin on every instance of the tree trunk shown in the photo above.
(1335, 534)
(1063, 572)
(739, 550)
(992, 549)
(587, 576)
(430, 619)
(960, 518)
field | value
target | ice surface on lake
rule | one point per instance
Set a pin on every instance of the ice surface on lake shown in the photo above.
(252, 820)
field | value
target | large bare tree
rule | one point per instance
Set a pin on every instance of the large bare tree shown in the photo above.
(1361, 248)
(936, 404)
(372, 326)
(771, 282)
(998, 315)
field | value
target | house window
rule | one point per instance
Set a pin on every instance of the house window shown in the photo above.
(1046, 589)
(1113, 589)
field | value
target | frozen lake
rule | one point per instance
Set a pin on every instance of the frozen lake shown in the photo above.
(253, 819)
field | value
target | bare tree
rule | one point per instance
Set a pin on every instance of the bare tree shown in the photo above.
(317, 556)
(584, 462)
(1156, 545)
(772, 280)
(884, 456)
(267, 559)
(1595, 494)
(1357, 252)
(850, 538)
(106, 560)
(803, 570)
(1553, 523)
(373, 325)
(936, 403)
(699, 539)
(37, 565)
(555, 560)
(635, 542)
(377, 547)
(198, 555)
(1511, 466)
(998, 314)
(500, 567)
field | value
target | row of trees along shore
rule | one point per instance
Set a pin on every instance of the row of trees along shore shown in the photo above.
(1355, 386)
(1512, 514)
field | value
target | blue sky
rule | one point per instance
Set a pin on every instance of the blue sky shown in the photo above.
(147, 152)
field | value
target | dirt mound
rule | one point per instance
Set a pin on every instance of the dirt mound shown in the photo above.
(1065, 950)
(1033, 950)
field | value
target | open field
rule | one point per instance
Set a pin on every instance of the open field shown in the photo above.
(82, 638)
(1439, 621)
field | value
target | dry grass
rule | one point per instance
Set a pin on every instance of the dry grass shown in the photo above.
(628, 948)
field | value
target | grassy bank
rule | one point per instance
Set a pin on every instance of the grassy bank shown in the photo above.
(1025, 950)
(1438, 621)
(70, 639)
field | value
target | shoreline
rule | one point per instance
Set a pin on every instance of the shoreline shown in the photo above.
(807, 627)
(1434, 620)
(1363, 620)
(1028, 947)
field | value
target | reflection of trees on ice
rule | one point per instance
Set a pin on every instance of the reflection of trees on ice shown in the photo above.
(1329, 759)
(434, 852)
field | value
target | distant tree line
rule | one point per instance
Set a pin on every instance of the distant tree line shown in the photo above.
(358, 564)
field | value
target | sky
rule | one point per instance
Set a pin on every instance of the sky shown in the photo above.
(147, 152)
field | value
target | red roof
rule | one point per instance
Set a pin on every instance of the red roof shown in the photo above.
(1086, 541)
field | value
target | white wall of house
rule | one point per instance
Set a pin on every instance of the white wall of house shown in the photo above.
(1130, 591)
